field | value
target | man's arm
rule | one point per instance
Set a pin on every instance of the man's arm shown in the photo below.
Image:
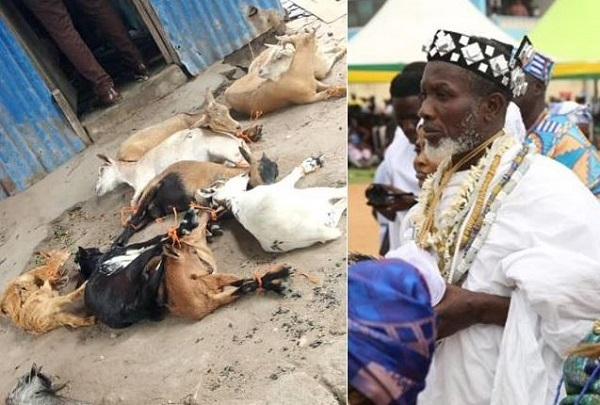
(461, 308)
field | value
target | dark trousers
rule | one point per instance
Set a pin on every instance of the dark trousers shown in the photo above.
(53, 15)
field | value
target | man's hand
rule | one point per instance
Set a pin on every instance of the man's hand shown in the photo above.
(461, 308)
(387, 200)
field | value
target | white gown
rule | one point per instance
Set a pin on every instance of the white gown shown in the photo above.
(543, 251)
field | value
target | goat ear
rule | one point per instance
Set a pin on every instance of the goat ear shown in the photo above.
(270, 45)
(202, 122)
(283, 38)
(247, 157)
(34, 371)
(105, 158)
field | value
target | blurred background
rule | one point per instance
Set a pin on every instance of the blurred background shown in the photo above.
(386, 35)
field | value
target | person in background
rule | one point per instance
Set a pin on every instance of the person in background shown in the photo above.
(391, 328)
(578, 114)
(55, 18)
(553, 134)
(517, 8)
(397, 174)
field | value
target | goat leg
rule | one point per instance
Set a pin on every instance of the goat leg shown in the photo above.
(74, 321)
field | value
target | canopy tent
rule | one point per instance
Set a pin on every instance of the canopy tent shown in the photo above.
(568, 34)
(395, 35)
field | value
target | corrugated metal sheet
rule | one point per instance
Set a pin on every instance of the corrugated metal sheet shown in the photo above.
(35, 138)
(204, 31)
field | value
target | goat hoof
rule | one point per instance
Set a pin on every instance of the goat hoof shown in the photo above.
(311, 164)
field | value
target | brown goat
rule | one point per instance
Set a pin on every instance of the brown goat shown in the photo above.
(214, 116)
(194, 290)
(297, 85)
(32, 302)
(176, 186)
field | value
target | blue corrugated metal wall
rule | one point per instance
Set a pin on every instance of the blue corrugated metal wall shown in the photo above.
(35, 138)
(204, 31)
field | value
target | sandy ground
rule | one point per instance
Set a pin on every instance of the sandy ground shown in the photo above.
(262, 349)
(363, 230)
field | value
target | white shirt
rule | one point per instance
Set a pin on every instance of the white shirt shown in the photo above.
(543, 251)
(400, 173)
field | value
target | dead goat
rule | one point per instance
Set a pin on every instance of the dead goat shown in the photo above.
(194, 289)
(296, 83)
(280, 216)
(215, 116)
(32, 300)
(35, 388)
(175, 187)
(124, 283)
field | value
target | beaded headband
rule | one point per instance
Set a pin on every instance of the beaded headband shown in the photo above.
(533, 62)
(486, 60)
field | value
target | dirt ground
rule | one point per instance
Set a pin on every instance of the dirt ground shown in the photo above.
(363, 230)
(262, 349)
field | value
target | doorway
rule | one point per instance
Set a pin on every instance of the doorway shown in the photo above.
(58, 70)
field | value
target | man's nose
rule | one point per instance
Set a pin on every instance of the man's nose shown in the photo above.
(426, 110)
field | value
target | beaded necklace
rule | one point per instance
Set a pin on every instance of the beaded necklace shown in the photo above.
(470, 198)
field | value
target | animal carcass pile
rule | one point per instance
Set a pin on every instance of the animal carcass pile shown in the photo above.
(197, 167)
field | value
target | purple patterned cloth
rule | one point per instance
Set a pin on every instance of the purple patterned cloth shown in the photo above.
(391, 331)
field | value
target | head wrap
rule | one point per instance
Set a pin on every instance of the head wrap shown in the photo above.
(578, 114)
(533, 62)
(391, 331)
(492, 60)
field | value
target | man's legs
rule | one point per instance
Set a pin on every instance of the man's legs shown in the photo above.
(103, 13)
(53, 15)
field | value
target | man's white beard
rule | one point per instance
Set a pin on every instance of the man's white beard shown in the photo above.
(444, 149)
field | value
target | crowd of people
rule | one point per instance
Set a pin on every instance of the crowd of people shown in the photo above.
(370, 130)
(487, 199)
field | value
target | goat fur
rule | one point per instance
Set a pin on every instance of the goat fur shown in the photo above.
(190, 144)
(194, 289)
(36, 388)
(214, 116)
(175, 187)
(280, 216)
(124, 284)
(33, 304)
(297, 85)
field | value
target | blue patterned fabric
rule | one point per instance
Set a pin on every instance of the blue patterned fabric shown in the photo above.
(556, 137)
(391, 331)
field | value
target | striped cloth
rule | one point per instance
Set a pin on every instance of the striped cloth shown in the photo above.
(391, 331)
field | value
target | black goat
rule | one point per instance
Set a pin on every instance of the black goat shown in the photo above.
(175, 188)
(124, 283)
(35, 388)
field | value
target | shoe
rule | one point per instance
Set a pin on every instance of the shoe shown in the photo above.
(140, 72)
(109, 96)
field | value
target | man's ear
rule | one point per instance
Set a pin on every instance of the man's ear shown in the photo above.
(539, 88)
(493, 105)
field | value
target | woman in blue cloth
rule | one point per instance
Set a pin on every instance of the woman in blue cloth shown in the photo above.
(391, 332)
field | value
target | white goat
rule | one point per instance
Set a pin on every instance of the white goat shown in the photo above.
(190, 144)
(296, 85)
(280, 216)
(214, 116)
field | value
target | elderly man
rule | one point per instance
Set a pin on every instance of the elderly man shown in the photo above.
(516, 236)
(553, 133)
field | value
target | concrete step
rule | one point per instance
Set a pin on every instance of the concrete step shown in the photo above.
(135, 97)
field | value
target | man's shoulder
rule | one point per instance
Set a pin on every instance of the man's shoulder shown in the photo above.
(545, 173)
